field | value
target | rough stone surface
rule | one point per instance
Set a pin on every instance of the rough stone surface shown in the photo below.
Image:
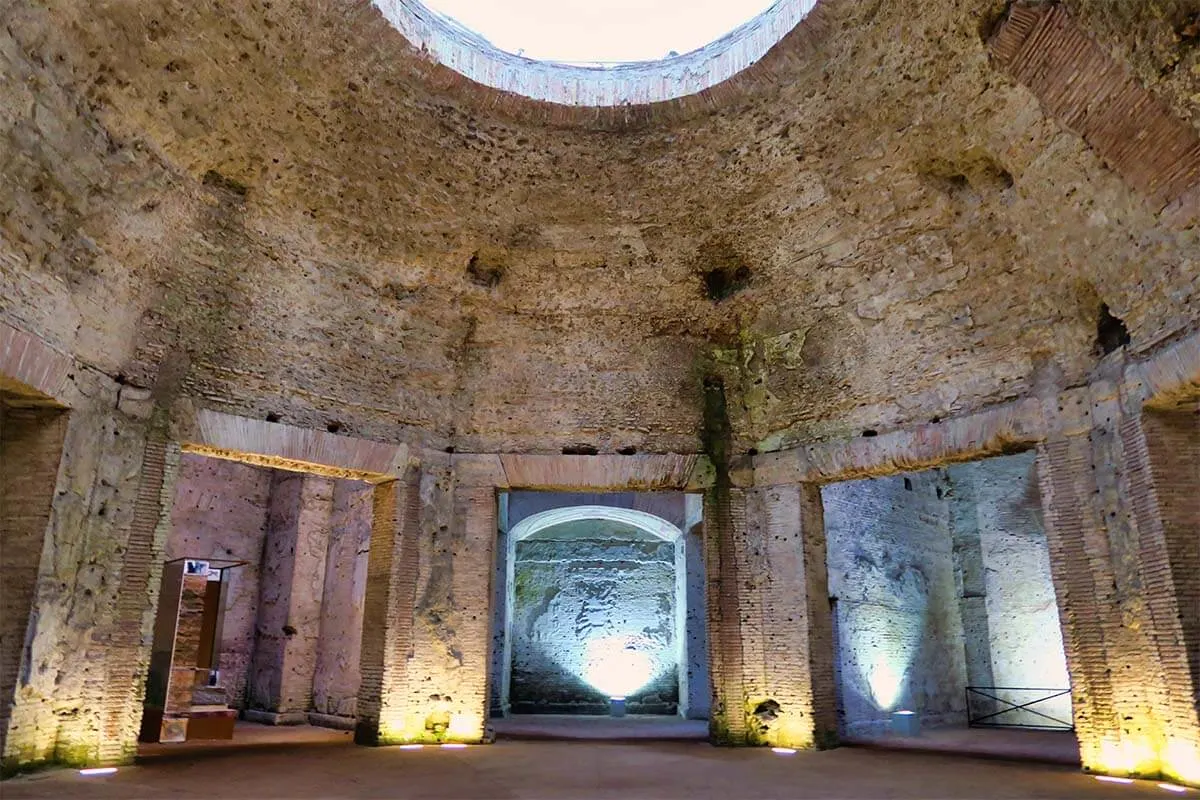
(336, 672)
(587, 585)
(888, 252)
(1018, 638)
(163, 200)
(891, 568)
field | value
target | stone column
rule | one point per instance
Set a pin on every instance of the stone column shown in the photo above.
(291, 586)
(1134, 697)
(773, 637)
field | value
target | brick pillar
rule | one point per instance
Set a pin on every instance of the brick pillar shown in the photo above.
(30, 450)
(427, 625)
(392, 566)
(474, 565)
(724, 523)
(1133, 693)
(1162, 451)
(291, 585)
(772, 640)
(127, 657)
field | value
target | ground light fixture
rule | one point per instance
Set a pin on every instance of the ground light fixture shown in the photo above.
(411, 746)
(91, 772)
(784, 751)
(453, 746)
(1173, 787)
(616, 706)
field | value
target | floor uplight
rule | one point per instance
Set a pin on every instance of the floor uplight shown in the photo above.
(90, 771)
(411, 746)
(1173, 787)
(1113, 779)
(454, 746)
(784, 751)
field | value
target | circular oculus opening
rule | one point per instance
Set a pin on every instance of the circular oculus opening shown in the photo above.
(597, 53)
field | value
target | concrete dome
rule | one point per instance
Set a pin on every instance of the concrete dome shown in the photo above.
(326, 226)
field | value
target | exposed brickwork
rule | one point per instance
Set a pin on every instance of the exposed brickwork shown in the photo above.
(127, 653)
(387, 642)
(724, 522)
(1091, 93)
(1078, 562)
(1163, 453)
(30, 451)
(797, 624)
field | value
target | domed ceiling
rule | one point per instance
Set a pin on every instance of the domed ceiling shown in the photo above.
(305, 218)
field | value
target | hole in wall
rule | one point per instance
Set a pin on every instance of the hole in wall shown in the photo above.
(724, 282)
(580, 450)
(908, 484)
(627, 451)
(334, 426)
(485, 271)
(272, 417)
(1111, 333)
(869, 432)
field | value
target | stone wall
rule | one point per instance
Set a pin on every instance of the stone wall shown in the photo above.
(336, 673)
(995, 510)
(586, 594)
(891, 568)
(220, 511)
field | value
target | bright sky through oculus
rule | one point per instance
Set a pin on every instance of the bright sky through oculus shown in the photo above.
(600, 31)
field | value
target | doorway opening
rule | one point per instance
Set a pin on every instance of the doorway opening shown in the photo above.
(599, 616)
(945, 615)
(260, 613)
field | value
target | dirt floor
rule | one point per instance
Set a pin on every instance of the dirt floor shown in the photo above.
(564, 770)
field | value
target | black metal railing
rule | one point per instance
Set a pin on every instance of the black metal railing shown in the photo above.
(1014, 707)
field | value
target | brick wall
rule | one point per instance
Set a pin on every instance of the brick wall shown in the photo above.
(30, 451)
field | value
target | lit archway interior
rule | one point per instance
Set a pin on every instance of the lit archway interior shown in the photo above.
(600, 603)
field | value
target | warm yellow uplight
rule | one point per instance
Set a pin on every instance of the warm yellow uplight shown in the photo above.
(1181, 761)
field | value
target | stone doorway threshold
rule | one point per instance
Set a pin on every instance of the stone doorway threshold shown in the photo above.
(617, 729)
(247, 736)
(1051, 747)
